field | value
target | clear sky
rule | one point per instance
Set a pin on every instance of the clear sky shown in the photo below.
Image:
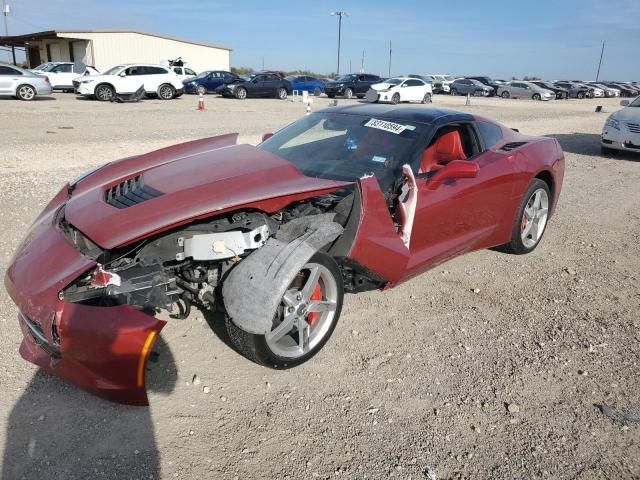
(551, 39)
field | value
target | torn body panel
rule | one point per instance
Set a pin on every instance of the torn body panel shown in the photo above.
(254, 288)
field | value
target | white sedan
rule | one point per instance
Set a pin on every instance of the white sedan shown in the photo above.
(157, 80)
(401, 89)
(621, 131)
(61, 74)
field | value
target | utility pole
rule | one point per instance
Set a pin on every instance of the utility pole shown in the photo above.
(350, 69)
(389, 58)
(339, 15)
(362, 63)
(263, 63)
(5, 13)
(600, 62)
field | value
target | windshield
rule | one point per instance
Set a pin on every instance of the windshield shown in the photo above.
(394, 81)
(346, 78)
(46, 67)
(203, 74)
(635, 103)
(114, 70)
(339, 146)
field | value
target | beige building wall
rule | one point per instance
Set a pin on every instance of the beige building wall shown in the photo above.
(106, 49)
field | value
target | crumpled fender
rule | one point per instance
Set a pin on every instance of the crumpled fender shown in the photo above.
(254, 288)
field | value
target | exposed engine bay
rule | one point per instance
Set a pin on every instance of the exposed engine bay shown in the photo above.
(188, 266)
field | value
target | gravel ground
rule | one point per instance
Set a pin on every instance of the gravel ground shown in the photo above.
(490, 366)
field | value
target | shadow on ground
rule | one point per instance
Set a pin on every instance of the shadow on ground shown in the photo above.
(56, 430)
(589, 144)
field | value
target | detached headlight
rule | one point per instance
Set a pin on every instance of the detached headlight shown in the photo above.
(612, 122)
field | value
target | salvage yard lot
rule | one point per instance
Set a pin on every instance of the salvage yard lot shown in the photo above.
(489, 366)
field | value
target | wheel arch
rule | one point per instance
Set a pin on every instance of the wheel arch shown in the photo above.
(22, 84)
(547, 177)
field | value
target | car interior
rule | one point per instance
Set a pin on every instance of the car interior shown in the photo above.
(451, 142)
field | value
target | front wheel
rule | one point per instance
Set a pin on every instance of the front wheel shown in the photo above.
(317, 91)
(395, 99)
(454, 91)
(505, 95)
(305, 319)
(282, 93)
(536, 96)
(426, 98)
(201, 90)
(105, 93)
(531, 220)
(26, 93)
(240, 93)
(348, 93)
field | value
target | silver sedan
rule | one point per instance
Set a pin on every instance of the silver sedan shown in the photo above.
(22, 84)
(521, 89)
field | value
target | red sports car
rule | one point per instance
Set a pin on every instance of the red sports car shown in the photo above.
(347, 199)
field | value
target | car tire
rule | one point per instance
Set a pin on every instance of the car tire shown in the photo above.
(580, 95)
(240, 93)
(104, 93)
(348, 93)
(285, 351)
(25, 92)
(426, 98)
(453, 92)
(281, 93)
(201, 90)
(536, 96)
(505, 95)
(395, 99)
(317, 91)
(331, 95)
(531, 220)
(166, 92)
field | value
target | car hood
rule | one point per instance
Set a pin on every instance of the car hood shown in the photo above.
(382, 86)
(628, 114)
(193, 180)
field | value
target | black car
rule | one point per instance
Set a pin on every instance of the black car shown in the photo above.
(559, 91)
(256, 85)
(488, 82)
(351, 85)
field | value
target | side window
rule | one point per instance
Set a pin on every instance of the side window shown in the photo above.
(414, 83)
(188, 71)
(491, 133)
(9, 71)
(134, 71)
(362, 78)
(64, 68)
(178, 70)
(154, 71)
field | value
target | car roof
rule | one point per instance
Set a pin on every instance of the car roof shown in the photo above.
(393, 112)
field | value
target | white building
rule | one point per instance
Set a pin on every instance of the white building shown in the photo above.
(105, 48)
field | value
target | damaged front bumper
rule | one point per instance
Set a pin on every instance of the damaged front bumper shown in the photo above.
(102, 349)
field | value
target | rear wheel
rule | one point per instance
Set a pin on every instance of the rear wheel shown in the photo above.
(307, 315)
(282, 93)
(348, 93)
(105, 93)
(531, 220)
(166, 92)
(580, 95)
(26, 92)
(536, 96)
(426, 98)
(395, 99)
(505, 94)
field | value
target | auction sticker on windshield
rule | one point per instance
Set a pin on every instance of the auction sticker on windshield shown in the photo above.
(386, 126)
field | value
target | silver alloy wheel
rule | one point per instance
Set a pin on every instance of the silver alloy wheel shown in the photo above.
(26, 92)
(348, 93)
(104, 92)
(426, 98)
(282, 93)
(297, 332)
(166, 92)
(534, 218)
(201, 90)
(241, 94)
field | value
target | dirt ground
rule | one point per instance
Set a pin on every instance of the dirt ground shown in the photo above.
(490, 366)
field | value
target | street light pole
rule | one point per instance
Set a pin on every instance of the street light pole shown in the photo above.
(339, 15)
(600, 62)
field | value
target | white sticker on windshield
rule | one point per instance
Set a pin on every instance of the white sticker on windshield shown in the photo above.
(386, 126)
(378, 159)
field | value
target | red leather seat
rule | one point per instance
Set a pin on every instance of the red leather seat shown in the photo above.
(446, 148)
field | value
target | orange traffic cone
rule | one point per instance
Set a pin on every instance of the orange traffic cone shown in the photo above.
(201, 102)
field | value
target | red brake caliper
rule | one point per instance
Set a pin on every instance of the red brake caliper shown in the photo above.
(523, 224)
(316, 295)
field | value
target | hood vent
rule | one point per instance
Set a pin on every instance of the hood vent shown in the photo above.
(507, 147)
(129, 193)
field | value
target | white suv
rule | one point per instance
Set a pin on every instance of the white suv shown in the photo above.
(127, 79)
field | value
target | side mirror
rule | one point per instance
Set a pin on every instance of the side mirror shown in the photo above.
(403, 85)
(122, 74)
(267, 136)
(624, 103)
(451, 171)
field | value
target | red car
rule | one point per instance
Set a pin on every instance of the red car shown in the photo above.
(347, 199)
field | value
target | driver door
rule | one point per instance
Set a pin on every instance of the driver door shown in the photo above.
(462, 214)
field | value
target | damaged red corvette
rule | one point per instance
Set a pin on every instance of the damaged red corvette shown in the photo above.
(346, 199)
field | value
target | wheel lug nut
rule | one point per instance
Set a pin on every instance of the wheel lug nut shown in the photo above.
(290, 309)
